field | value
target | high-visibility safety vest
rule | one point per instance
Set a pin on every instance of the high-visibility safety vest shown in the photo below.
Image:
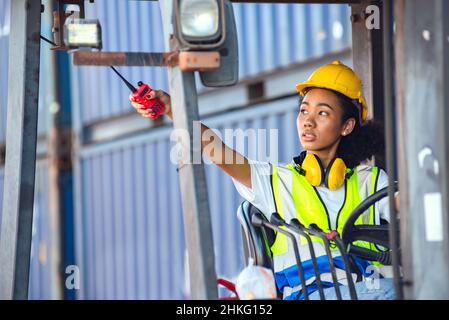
(310, 209)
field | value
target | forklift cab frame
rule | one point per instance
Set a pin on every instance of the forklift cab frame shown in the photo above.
(258, 239)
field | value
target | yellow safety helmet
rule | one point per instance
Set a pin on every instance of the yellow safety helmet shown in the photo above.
(338, 77)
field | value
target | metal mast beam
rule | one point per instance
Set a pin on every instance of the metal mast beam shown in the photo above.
(197, 220)
(18, 198)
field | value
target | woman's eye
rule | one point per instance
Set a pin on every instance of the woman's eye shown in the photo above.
(324, 113)
(303, 111)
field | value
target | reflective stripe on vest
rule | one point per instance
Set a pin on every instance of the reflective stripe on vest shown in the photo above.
(310, 209)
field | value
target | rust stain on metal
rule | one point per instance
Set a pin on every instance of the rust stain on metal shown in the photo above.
(171, 59)
(199, 61)
(155, 59)
(99, 58)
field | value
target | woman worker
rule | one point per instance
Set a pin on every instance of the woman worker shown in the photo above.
(320, 186)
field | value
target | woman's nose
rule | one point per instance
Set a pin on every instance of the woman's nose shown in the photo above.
(309, 121)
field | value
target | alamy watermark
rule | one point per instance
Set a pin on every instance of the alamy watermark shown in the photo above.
(72, 280)
(372, 281)
(371, 17)
(372, 20)
(205, 145)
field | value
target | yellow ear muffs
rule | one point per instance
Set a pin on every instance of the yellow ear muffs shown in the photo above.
(314, 171)
(333, 178)
(335, 174)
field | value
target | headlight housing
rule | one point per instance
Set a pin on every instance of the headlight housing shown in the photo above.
(200, 23)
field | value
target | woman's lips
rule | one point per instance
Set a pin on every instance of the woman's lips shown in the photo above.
(308, 137)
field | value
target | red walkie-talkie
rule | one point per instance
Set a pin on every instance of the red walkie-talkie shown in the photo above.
(142, 95)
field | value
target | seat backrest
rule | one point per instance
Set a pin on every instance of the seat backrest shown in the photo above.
(257, 241)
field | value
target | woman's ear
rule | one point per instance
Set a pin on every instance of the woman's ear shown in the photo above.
(348, 127)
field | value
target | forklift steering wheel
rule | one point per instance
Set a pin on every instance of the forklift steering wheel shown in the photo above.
(376, 234)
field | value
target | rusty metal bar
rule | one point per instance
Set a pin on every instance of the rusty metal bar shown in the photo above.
(199, 61)
(153, 59)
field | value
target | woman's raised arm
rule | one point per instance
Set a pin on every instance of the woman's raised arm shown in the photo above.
(227, 159)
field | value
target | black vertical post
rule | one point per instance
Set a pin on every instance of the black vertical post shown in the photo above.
(390, 138)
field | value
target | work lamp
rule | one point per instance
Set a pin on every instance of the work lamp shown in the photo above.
(82, 33)
(200, 23)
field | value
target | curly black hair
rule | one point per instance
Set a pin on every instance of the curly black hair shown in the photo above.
(365, 140)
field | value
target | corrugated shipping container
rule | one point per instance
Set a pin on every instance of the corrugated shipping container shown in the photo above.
(271, 36)
(130, 225)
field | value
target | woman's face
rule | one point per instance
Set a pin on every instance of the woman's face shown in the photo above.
(319, 121)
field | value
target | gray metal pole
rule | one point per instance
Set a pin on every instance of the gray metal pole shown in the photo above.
(197, 220)
(388, 51)
(422, 58)
(18, 198)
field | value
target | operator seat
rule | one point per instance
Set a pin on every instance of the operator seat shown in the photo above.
(257, 241)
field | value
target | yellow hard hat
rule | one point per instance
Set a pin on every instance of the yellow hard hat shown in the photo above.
(338, 77)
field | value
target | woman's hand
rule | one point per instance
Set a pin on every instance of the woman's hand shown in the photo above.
(161, 95)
